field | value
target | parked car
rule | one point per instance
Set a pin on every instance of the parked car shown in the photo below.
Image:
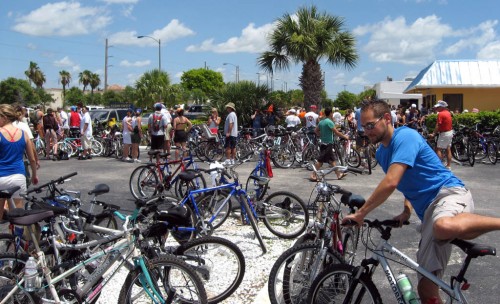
(197, 112)
(108, 116)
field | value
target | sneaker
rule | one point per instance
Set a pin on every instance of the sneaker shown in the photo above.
(227, 162)
(128, 159)
(232, 161)
(137, 161)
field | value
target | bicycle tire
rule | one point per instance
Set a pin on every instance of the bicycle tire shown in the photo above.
(143, 182)
(207, 206)
(283, 157)
(250, 217)
(214, 151)
(470, 154)
(244, 151)
(368, 160)
(7, 282)
(285, 214)
(7, 243)
(491, 149)
(373, 152)
(219, 263)
(182, 187)
(95, 148)
(350, 240)
(253, 185)
(332, 284)
(459, 151)
(310, 154)
(13, 262)
(169, 273)
(289, 280)
(65, 147)
(353, 159)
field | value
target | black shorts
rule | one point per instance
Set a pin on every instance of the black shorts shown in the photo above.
(157, 142)
(326, 154)
(230, 142)
(180, 136)
(136, 138)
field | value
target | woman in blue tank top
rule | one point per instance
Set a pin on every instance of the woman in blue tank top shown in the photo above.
(13, 144)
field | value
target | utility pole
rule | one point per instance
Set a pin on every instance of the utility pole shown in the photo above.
(106, 66)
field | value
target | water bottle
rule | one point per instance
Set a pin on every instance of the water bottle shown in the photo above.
(406, 289)
(30, 275)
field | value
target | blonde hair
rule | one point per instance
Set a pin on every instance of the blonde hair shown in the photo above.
(9, 112)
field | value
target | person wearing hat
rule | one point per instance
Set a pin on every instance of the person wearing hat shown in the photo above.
(50, 127)
(231, 133)
(444, 129)
(292, 121)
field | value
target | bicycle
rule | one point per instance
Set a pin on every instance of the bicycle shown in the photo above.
(262, 169)
(162, 279)
(149, 180)
(348, 283)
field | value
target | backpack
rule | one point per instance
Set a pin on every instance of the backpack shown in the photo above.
(157, 122)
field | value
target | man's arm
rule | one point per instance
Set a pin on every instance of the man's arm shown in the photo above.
(339, 134)
(384, 189)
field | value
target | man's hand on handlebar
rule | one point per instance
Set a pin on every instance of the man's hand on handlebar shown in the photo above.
(357, 217)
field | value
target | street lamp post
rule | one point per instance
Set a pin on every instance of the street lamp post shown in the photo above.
(237, 75)
(159, 49)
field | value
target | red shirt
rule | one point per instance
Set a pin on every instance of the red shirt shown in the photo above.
(444, 121)
(74, 119)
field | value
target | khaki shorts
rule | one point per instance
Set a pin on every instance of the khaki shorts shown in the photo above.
(433, 255)
(444, 139)
(168, 130)
(86, 142)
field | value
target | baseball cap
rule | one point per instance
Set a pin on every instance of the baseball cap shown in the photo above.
(441, 103)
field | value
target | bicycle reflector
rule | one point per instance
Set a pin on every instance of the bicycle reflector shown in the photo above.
(465, 286)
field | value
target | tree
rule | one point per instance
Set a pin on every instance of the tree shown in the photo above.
(366, 94)
(201, 81)
(39, 79)
(309, 37)
(64, 79)
(74, 95)
(346, 100)
(152, 87)
(31, 72)
(94, 82)
(84, 78)
(43, 98)
(13, 90)
(245, 95)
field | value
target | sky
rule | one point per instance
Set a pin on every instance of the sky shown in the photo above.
(394, 38)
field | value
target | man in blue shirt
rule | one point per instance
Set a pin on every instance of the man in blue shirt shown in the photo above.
(439, 198)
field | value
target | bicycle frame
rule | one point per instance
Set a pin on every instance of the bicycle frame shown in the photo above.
(379, 257)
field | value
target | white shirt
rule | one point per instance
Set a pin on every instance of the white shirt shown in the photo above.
(64, 120)
(23, 126)
(86, 120)
(166, 113)
(292, 121)
(337, 118)
(311, 119)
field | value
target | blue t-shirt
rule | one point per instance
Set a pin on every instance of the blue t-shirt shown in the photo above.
(357, 116)
(425, 174)
(11, 156)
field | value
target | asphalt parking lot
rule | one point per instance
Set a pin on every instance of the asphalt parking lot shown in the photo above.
(482, 180)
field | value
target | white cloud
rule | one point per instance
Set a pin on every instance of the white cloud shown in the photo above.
(490, 51)
(393, 40)
(251, 40)
(64, 62)
(172, 31)
(120, 1)
(76, 68)
(132, 78)
(31, 46)
(178, 75)
(126, 63)
(478, 36)
(127, 12)
(9, 14)
(62, 19)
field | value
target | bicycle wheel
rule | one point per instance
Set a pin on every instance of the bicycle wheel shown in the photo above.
(368, 160)
(459, 151)
(144, 182)
(212, 201)
(250, 217)
(290, 276)
(96, 148)
(332, 285)
(118, 147)
(214, 151)
(65, 147)
(7, 283)
(350, 238)
(283, 157)
(471, 154)
(173, 278)
(491, 149)
(254, 185)
(309, 155)
(7, 243)
(13, 262)
(219, 263)
(244, 151)
(183, 187)
(372, 152)
(353, 159)
(285, 214)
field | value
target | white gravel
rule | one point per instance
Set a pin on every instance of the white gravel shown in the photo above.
(253, 288)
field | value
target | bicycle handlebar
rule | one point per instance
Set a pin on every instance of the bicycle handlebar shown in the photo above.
(337, 168)
(60, 180)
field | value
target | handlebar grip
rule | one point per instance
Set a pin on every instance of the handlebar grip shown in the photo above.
(57, 181)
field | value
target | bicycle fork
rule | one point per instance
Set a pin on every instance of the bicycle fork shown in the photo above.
(151, 288)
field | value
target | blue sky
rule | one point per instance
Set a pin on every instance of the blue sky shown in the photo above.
(395, 38)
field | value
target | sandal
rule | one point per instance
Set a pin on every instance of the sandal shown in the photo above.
(313, 179)
(342, 176)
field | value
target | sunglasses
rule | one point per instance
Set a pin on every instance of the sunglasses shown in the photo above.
(371, 125)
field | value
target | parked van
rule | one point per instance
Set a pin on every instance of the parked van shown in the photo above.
(94, 107)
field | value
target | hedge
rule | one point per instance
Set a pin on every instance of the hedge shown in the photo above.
(488, 119)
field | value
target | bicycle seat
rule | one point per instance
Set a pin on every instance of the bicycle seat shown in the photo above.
(353, 200)
(474, 250)
(188, 175)
(100, 189)
(23, 217)
(7, 193)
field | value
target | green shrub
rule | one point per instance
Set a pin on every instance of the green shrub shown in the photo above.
(489, 119)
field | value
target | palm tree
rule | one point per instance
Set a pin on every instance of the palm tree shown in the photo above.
(30, 72)
(85, 77)
(308, 38)
(152, 87)
(95, 81)
(64, 79)
(39, 79)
